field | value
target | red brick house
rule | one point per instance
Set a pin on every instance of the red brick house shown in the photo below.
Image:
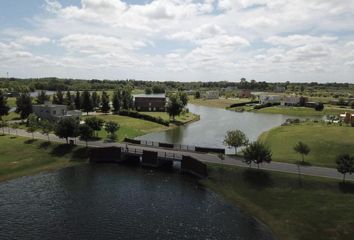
(151, 103)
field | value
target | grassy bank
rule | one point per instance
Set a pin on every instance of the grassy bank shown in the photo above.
(325, 141)
(319, 209)
(130, 127)
(303, 111)
(182, 119)
(22, 156)
(217, 103)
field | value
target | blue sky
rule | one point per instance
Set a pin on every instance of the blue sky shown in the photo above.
(182, 40)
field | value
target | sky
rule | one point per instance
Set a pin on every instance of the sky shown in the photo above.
(179, 40)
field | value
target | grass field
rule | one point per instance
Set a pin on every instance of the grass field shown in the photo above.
(11, 101)
(303, 111)
(182, 119)
(217, 103)
(130, 127)
(318, 209)
(22, 156)
(325, 141)
(11, 116)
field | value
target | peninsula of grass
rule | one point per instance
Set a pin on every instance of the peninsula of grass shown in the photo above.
(217, 103)
(23, 156)
(315, 209)
(325, 141)
(129, 127)
(179, 120)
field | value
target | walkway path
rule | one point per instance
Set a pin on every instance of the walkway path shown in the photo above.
(273, 166)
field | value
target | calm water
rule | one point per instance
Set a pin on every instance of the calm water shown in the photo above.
(114, 202)
(210, 130)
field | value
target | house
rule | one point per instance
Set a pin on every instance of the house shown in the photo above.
(211, 95)
(271, 99)
(279, 89)
(151, 103)
(347, 117)
(291, 100)
(244, 93)
(54, 112)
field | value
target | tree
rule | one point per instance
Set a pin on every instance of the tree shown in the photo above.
(183, 98)
(236, 139)
(257, 152)
(42, 97)
(85, 132)
(302, 149)
(116, 101)
(86, 102)
(105, 103)
(24, 105)
(46, 128)
(77, 100)
(111, 128)
(197, 95)
(58, 98)
(96, 100)
(32, 124)
(69, 100)
(148, 90)
(4, 108)
(158, 89)
(174, 106)
(127, 99)
(67, 127)
(345, 164)
(94, 123)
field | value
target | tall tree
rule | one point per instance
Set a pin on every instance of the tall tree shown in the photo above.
(32, 124)
(236, 139)
(24, 105)
(95, 123)
(42, 97)
(96, 100)
(69, 100)
(116, 101)
(46, 127)
(345, 164)
(302, 149)
(127, 99)
(197, 95)
(184, 98)
(58, 97)
(67, 127)
(257, 152)
(105, 107)
(174, 106)
(77, 100)
(85, 132)
(111, 128)
(4, 108)
(86, 102)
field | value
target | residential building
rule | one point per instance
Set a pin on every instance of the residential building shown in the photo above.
(54, 112)
(271, 99)
(211, 95)
(151, 103)
(347, 117)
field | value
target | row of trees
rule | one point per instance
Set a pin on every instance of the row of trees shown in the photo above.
(71, 128)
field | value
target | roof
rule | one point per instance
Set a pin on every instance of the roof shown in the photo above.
(150, 96)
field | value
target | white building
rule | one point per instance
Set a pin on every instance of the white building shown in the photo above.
(211, 95)
(54, 112)
(264, 99)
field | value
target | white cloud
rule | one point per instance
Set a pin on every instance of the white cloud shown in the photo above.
(298, 40)
(32, 40)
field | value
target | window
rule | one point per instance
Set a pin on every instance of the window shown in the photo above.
(54, 112)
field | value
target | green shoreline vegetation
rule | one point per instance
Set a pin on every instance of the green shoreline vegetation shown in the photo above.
(316, 208)
(326, 142)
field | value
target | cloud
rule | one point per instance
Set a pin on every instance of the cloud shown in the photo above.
(32, 40)
(298, 40)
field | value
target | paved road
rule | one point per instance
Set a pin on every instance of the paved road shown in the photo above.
(273, 166)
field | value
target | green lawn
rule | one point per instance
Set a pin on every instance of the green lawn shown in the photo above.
(304, 111)
(319, 209)
(130, 127)
(22, 156)
(11, 116)
(182, 119)
(11, 101)
(217, 103)
(325, 141)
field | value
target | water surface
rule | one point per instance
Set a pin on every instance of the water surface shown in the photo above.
(114, 202)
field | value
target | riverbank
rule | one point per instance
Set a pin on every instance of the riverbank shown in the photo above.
(325, 141)
(217, 103)
(317, 209)
(21, 156)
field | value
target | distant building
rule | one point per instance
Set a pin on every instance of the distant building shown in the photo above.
(151, 103)
(279, 89)
(265, 99)
(54, 112)
(347, 118)
(211, 95)
(245, 94)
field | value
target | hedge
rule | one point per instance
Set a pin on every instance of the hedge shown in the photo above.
(242, 104)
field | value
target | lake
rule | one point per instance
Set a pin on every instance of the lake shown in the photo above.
(210, 130)
(117, 202)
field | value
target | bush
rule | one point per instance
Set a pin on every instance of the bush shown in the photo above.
(257, 107)
(242, 104)
(136, 114)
